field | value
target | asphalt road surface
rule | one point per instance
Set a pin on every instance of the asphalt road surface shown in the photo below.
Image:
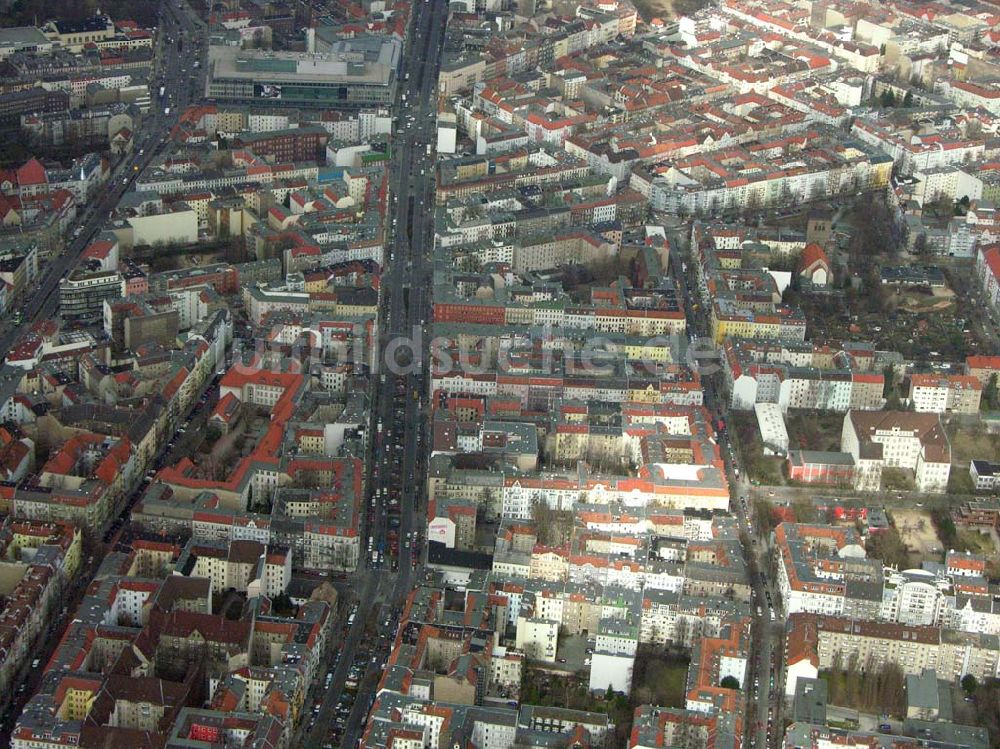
(763, 703)
(400, 393)
(182, 83)
(175, 18)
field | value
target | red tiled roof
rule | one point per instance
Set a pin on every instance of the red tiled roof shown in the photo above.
(32, 173)
(812, 253)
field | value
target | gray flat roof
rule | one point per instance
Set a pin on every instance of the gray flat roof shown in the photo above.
(22, 35)
(343, 65)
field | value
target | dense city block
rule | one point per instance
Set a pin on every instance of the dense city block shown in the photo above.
(506, 374)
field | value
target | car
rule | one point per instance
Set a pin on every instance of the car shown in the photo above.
(561, 660)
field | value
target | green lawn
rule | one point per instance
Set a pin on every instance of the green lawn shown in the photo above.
(976, 542)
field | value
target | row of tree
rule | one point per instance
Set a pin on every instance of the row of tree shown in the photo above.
(869, 686)
(889, 99)
(991, 395)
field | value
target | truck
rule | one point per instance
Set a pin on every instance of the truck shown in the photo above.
(163, 90)
(428, 149)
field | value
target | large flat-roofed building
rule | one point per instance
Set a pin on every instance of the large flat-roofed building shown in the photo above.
(358, 72)
(23, 39)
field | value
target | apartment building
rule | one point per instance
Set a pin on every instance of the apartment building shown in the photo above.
(613, 659)
(315, 499)
(727, 179)
(246, 566)
(826, 641)
(988, 273)
(938, 394)
(982, 367)
(84, 481)
(948, 145)
(713, 658)
(728, 319)
(673, 618)
(260, 664)
(801, 375)
(824, 570)
(917, 598)
(660, 728)
(305, 143)
(39, 559)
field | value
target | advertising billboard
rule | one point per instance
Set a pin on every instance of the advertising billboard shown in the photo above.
(266, 91)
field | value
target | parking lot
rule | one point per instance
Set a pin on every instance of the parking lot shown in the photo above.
(572, 654)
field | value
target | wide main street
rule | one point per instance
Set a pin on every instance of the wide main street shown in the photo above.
(398, 392)
(379, 588)
(176, 20)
